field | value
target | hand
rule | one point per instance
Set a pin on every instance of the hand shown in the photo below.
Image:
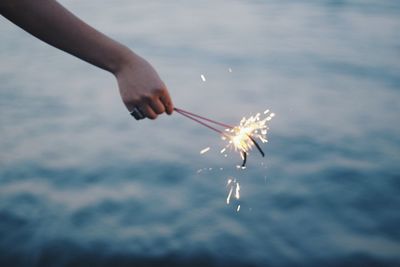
(141, 87)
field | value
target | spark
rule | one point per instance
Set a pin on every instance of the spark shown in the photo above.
(238, 208)
(203, 78)
(234, 189)
(237, 193)
(229, 196)
(204, 150)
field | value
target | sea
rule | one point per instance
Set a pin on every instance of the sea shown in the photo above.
(84, 184)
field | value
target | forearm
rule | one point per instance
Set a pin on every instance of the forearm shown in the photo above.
(139, 84)
(53, 24)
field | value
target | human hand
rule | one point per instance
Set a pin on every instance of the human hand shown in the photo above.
(141, 88)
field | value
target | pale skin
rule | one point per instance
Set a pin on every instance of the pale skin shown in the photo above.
(139, 84)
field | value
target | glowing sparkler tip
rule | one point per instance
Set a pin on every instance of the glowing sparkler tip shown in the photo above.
(243, 137)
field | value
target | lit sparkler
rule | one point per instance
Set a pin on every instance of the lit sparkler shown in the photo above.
(240, 138)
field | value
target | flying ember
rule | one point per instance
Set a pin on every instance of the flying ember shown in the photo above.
(204, 150)
(233, 186)
(234, 191)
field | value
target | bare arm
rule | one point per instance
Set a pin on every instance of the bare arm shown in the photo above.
(139, 84)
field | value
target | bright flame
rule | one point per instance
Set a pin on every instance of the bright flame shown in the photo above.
(254, 127)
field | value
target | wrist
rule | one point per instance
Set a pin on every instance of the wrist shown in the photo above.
(122, 59)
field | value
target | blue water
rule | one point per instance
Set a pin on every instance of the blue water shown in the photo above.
(83, 184)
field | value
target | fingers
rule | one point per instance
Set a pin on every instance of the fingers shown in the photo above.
(157, 106)
(141, 110)
(148, 112)
(151, 106)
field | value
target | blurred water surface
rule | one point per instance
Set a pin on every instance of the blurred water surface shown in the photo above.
(83, 184)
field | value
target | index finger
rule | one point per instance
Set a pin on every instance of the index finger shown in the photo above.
(166, 100)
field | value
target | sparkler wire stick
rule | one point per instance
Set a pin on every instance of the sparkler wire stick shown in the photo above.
(257, 145)
(203, 118)
(199, 121)
(244, 154)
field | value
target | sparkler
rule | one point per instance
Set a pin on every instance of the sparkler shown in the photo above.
(241, 137)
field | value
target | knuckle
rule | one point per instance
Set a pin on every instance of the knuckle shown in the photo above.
(146, 98)
(159, 91)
